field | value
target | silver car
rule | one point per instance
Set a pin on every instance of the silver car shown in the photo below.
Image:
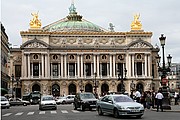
(4, 102)
(119, 105)
(47, 102)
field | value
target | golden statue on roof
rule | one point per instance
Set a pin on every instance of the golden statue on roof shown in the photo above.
(35, 22)
(136, 24)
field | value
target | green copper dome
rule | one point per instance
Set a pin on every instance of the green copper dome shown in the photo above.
(73, 22)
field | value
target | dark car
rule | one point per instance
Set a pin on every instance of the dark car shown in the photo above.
(18, 101)
(84, 100)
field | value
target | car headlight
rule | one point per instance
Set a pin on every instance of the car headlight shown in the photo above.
(31, 100)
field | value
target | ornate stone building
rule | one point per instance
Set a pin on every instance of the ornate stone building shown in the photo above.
(73, 54)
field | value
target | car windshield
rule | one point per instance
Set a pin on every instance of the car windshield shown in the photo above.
(47, 98)
(87, 96)
(3, 99)
(122, 99)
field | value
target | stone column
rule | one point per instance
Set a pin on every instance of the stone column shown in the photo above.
(29, 66)
(78, 66)
(39, 70)
(133, 66)
(25, 65)
(65, 66)
(145, 65)
(114, 65)
(94, 63)
(82, 65)
(98, 65)
(42, 62)
(110, 63)
(149, 65)
(46, 66)
(62, 66)
(130, 64)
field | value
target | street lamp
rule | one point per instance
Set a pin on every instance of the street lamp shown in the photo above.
(164, 71)
(95, 85)
(12, 84)
(81, 86)
(122, 78)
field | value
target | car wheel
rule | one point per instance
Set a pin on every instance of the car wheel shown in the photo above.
(116, 113)
(82, 107)
(74, 105)
(100, 111)
(63, 102)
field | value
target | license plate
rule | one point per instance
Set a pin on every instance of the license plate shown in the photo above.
(134, 110)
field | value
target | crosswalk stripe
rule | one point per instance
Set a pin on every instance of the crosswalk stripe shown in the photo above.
(30, 113)
(53, 112)
(7, 114)
(42, 112)
(64, 111)
(75, 111)
(20, 113)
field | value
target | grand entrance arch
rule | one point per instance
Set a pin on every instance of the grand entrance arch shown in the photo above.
(140, 87)
(36, 87)
(72, 89)
(88, 88)
(120, 88)
(104, 89)
(55, 90)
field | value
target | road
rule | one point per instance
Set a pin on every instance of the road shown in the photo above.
(66, 112)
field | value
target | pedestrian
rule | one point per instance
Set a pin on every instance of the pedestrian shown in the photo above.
(176, 97)
(148, 100)
(159, 97)
(138, 96)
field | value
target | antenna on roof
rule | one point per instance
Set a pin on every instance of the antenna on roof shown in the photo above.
(111, 27)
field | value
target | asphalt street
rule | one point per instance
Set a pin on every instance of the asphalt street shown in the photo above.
(66, 112)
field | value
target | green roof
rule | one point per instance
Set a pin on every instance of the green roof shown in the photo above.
(73, 22)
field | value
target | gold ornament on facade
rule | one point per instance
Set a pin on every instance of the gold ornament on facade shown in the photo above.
(35, 22)
(136, 24)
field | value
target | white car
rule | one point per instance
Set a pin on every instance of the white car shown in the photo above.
(47, 102)
(4, 102)
(119, 105)
(66, 100)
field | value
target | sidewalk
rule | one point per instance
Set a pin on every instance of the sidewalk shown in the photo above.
(174, 108)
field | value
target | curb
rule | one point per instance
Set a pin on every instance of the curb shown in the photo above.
(166, 110)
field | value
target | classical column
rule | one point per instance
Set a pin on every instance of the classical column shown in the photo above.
(149, 65)
(98, 65)
(62, 66)
(114, 65)
(46, 66)
(94, 63)
(78, 66)
(133, 66)
(65, 66)
(25, 65)
(145, 65)
(32, 70)
(29, 66)
(42, 62)
(110, 63)
(130, 66)
(82, 66)
(75, 70)
(59, 69)
(39, 69)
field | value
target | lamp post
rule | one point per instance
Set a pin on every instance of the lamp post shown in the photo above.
(12, 84)
(122, 78)
(95, 85)
(81, 86)
(164, 71)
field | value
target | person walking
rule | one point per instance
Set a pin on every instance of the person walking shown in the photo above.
(176, 97)
(138, 96)
(159, 97)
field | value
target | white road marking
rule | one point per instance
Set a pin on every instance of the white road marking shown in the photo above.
(42, 112)
(64, 111)
(7, 114)
(75, 111)
(30, 113)
(53, 112)
(20, 113)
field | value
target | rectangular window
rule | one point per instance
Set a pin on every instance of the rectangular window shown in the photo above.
(88, 69)
(139, 68)
(55, 69)
(104, 69)
(71, 69)
(17, 70)
(35, 69)
(120, 68)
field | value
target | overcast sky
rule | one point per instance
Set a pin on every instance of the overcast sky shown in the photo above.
(157, 16)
